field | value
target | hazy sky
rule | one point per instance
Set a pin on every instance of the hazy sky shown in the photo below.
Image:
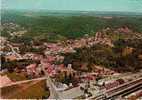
(85, 5)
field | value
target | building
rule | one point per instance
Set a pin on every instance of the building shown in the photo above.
(4, 80)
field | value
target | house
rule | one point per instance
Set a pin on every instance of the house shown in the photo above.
(31, 69)
(110, 85)
(50, 59)
(32, 56)
(28, 56)
(10, 57)
(4, 80)
(124, 29)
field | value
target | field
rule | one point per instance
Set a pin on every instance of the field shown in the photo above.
(15, 76)
(32, 90)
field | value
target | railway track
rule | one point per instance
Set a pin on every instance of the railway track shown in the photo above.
(124, 88)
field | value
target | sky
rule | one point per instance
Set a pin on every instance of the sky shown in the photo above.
(81, 5)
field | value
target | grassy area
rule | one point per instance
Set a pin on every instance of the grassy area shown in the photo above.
(25, 91)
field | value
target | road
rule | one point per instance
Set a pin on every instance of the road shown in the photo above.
(25, 81)
(53, 93)
(72, 93)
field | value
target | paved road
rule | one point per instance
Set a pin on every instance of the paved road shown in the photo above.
(25, 81)
(72, 93)
(53, 93)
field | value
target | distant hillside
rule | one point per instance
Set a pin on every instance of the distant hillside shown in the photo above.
(70, 24)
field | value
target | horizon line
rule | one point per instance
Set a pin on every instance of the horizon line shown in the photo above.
(73, 10)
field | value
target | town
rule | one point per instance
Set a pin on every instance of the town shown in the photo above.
(62, 79)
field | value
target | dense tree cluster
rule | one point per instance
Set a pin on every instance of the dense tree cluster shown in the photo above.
(124, 56)
(51, 28)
